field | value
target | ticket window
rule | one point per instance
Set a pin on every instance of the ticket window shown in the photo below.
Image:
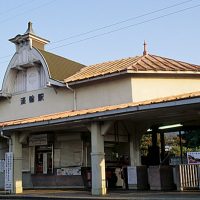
(43, 159)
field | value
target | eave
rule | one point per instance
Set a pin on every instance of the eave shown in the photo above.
(129, 71)
(114, 112)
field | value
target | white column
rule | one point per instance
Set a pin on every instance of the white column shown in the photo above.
(134, 149)
(98, 160)
(135, 132)
(17, 164)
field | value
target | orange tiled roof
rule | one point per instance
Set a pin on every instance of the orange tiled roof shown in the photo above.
(69, 113)
(135, 64)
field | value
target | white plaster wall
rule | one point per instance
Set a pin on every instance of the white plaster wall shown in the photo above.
(54, 101)
(71, 153)
(98, 94)
(26, 159)
(151, 87)
(109, 92)
(94, 95)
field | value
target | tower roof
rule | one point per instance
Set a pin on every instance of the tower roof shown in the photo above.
(30, 29)
(30, 36)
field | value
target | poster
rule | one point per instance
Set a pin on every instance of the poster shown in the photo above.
(193, 157)
(9, 171)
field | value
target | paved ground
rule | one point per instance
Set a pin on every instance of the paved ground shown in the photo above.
(115, 194)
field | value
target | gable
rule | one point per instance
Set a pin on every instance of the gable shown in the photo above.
(31, 69)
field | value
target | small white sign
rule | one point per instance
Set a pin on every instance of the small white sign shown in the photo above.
(193, 157)
(9, 171)
(69, 171)
(2, 165)
(132, 175)
(37, 140)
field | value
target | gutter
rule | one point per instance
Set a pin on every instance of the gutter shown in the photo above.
(74, 97)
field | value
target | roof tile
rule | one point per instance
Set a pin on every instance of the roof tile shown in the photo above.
(139, 63)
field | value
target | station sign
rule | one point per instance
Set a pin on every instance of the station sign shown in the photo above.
(193, 157)
(8, 171)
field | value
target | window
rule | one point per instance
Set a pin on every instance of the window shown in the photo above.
(43, 80)
(29, 79)
(20, 82)
(32, 81)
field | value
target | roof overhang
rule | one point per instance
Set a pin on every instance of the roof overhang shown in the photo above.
(26, 36)
(132, 72)
(55, 83)
(163, 109)
(4, 95)
(97, 78)
(164, 72)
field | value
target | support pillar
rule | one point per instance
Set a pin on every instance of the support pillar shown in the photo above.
(17, 164)
(98, 160)
(181, 147)
(162, 146)
(135, 149)
(135, 134)
(154, 151)
(154, 137)
(139, 179)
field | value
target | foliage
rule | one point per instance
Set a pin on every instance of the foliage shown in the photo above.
(192, 139)
(145, 143)
(190, 142)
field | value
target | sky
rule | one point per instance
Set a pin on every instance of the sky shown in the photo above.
(94, 31)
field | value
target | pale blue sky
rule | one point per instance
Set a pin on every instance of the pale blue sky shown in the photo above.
(175, 36)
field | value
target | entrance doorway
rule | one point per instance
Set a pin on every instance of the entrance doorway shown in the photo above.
(44, 159)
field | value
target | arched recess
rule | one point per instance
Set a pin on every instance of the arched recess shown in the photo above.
(27, 70)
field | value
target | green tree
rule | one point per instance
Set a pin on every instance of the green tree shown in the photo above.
(192, 139)
(145, 143)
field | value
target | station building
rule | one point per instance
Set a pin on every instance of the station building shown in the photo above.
(66, 123)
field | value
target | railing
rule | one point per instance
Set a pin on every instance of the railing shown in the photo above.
(187, 177)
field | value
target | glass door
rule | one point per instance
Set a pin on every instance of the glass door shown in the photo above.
(43, 159)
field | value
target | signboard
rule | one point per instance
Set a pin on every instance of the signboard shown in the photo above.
(69, 171)
(193, 157)
(37, 140)
(9, 171)
(2, 165)
(132, 175)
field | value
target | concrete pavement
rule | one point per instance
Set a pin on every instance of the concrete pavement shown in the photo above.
(114, 194)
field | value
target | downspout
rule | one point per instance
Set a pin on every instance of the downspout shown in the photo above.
(8, 138)
(74, 97)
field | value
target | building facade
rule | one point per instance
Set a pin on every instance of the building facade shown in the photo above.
(64, 148)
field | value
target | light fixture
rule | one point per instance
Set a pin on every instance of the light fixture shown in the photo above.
(170, 126)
